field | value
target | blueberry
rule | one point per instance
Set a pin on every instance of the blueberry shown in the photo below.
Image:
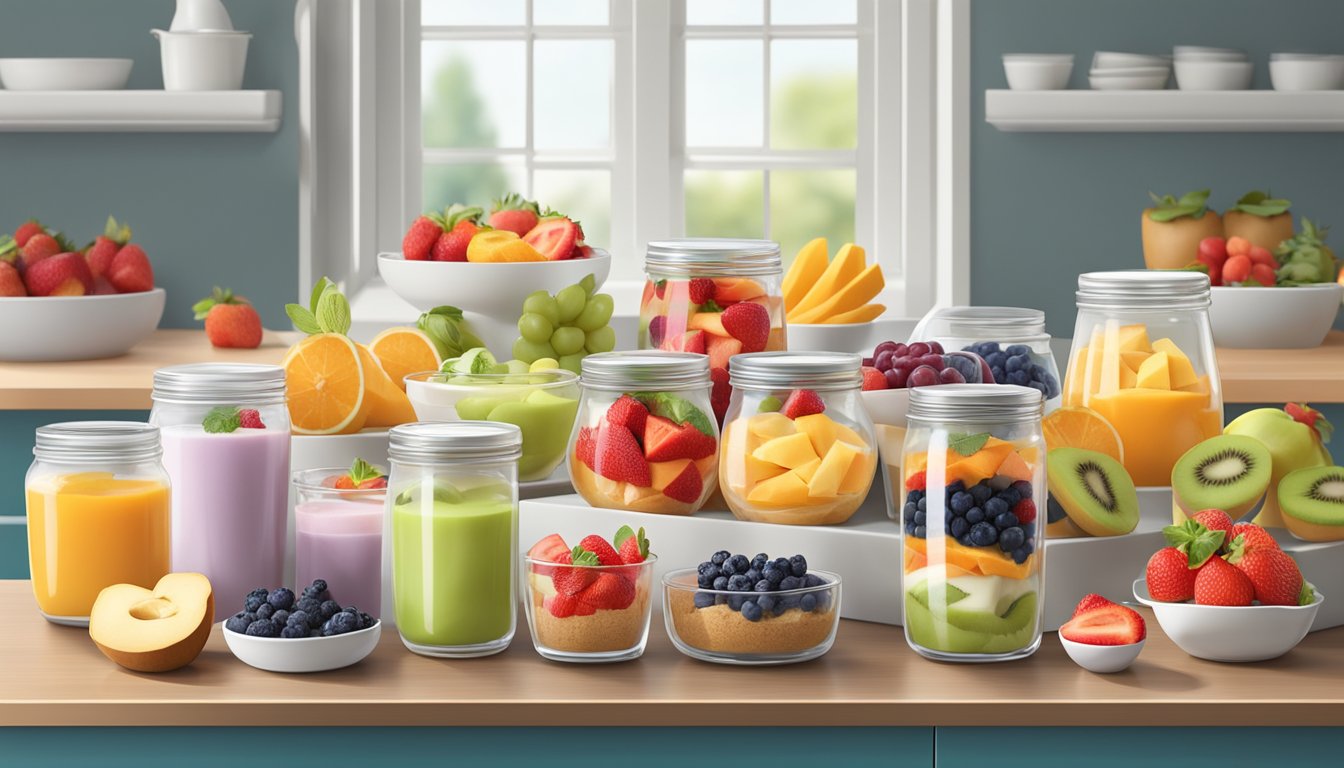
(350, 609)
(318, 585)
(758, 562)
(1030, 546)
(298, 619)
(1023, 488)
(921, 532)
(1020, 555)
(706, 574)
(790, 582)
(1020, 378)
(282, 597)
(965, 541)
(329, 608)
(798, 565)
(1039, 387)
(265, 610)
(1015, 363)
(737, 564)
(808, 602)
(1011, 538)
(720, 599)
(280, 617)
(995, 507)
(767, 602)
(735, 602)
(237, 623)
(366, 621)
(773, 573)
(720, 557)
(915, 495)
(751, 611)
(315, 632)
(703, 599)
(253, 603)
(983, 534)
(783, 564)
(958, 527)
(960, 502)
(980, 493)
(812, 580)
(292, 631)
(308, 605)
(721, 583)
(1005, 521)
(1018, 349)
(922, 505)
(1038, 373)
(823, 599)
(259, 592)
(996, 359)
(1028, 529)
(316, 591)
(921, 518)
(975, 515)
(909, 510)
(764, 586)
(263, 628)
(753, 575)
(1010, 496)
(738, 583)
(344, 622)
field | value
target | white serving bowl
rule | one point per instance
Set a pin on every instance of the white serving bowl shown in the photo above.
(1102, 659)
(886, 406)
(1225, 633)
(1299, 72)
(57, 328)
(1282, 317)
(1213, 75)
(1038, 72)
(203, 60)
(303, 654)
(835, 337)
(490, 295)
(1117, 59)
(65, 74)
(1205, 53)
(1129, 79)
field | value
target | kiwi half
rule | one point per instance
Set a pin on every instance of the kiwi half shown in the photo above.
(1312, 502)
(1094, 490)
(1227, 472)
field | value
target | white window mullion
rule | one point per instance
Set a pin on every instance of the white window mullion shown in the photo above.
(528, 110)
(657, 125)
(624, 190)
(865, 226)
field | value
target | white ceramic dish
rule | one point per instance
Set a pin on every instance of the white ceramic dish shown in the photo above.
(1301, 73)
(65, 74)
(1102, 659)
(1153, 79)
(887, 406)
(303, 654)
(491, 294)
(1222, 633)
(1213, 75)
(210, 60)
(1038, 72)
(836, 337)
(199, 15)
(57, 328)
(1118, 59)
(1205, 53)
(1284, 317)
(1140, 71)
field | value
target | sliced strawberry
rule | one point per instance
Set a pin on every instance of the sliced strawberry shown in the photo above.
(549, 550)
(720, 393)
(1090, 602)
(687, 486)
(618, 456)
(611, 592)
(665, 440)
(802, 402)
(1105, 625)
(585, 447)
(514, 214)
(690, 341)
(573, 580)
(629, 413)
(555, 237)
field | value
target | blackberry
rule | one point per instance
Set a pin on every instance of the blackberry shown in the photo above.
(703, 599)
(282, 598)
(798, 565)
(263, 628)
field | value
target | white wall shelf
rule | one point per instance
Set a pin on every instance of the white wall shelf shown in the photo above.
(140, 111)
(1165, 111)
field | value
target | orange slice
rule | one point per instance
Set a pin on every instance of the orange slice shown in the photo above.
(402, 351)
(388, 405)
(1078, 427)
(324, 379)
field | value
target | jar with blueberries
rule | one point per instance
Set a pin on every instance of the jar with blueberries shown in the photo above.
(1011, 340)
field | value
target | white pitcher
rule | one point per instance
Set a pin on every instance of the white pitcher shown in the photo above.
(196, 15)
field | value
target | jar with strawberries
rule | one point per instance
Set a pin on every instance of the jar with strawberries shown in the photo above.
(718, 297)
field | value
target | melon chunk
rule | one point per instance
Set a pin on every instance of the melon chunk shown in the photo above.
(820, 429)
(809, 470)
(1134, 338)
(1181, 371)
(771, 425)
(664, 472)
(757, 470)
(786, 490)
(859, 478)
(707, 321)
(1155, 373)
(834, 466)
(790, 451)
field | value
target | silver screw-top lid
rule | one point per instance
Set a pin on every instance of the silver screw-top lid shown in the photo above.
(975, 404)
(1143, 289)
(220, 384)
(97, 442)
(645, 369)
(1005, 322)
(431, 441)
(694, 256)
(787, 370)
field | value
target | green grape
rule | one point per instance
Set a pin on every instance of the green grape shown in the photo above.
(567, 341)
(535, 327)
(531, 351)
(573, 363)
(541, 303)
(571, 301)
(769, 404)
(517, 366)
(601, 340)
(596, 314)
(588, 284)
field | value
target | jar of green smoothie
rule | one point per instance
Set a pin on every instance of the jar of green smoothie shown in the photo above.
(453, 532)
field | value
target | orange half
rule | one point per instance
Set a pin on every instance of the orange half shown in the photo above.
(1077, 427)
(402, 351)
(324, 383)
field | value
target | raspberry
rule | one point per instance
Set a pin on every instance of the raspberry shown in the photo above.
(701, 290)
(248, 418)
(916, 482)
(1025, 511)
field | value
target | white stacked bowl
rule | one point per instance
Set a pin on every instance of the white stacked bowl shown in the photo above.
(1200, 68)
(1120, 71)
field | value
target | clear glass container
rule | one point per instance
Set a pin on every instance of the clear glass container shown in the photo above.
(338, 537)
(225, 431)
(693, 285)
(645, 439)
(565, 628)
(1143, 358)
(798, 444)
(453, 517)
(972, 549)
(1012, 340)
(98, 514)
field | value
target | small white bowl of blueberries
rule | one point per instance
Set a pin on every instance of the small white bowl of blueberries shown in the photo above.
(279, 631)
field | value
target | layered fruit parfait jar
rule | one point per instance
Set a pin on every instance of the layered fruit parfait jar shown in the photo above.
(974, 479)
(98, 514)
(645, 439)
(1143, 358)
(798, 445)
(717, 297)
(338, 532)
(1011, 340)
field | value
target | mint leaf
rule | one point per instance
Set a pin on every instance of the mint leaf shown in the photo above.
(625, 533)
(581, 556)
(675, 409)
(319, 290)
(711, 306)
(622, 533)
(222, 419)
(1196, 541)
(333, 313)
(967, 445)
(362, 470)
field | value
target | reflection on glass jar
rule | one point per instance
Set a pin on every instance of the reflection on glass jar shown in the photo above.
(1011, 340)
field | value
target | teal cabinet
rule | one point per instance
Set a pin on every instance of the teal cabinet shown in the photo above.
(1128, 747)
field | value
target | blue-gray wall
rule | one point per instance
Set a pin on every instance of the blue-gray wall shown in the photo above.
(208, 208)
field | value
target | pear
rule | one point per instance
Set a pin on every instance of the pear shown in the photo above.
(1295, 441)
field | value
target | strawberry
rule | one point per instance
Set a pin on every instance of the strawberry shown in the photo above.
(103, 287)
(665, 440)
(611, 591)
(1305, 414)
(702, 290)
(460, 224)
(40, 246)
(1108, 624)
(344, 483)
(64, 274)
(1216, 520)
(916, 482)
(585, 447)
(1221, 583)
(105, 246)
(421, 236)
(1264, 275)
(618, 456)
(230, 321)
(549, 549)
(720, 392)
(130, 270)
(555, 236)
(250, 418)
(1170, 577)
(606, 554)
(1251, 536)
(1273, 574)
(873, 378)
(629, 413)
(514, 214)
(1025, 510)
(10, 282)
(373, 484)
(362, 475)
(572, 581)
(1090, 602)
(691, 341)
(748, 323)
(561, 606)
(802, 402)
(687, 486)
(26, 231)
(631, 545)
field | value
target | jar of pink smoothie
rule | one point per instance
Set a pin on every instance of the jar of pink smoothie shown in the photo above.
(338, 537)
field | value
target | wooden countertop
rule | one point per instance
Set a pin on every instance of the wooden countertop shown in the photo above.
(55, 676)
(1282, 375)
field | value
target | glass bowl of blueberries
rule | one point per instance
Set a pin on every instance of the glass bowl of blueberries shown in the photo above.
(280, 631)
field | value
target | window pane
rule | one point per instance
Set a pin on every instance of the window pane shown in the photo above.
(813, 12)
(571, 94)
(723, 12)
(471, 12)
(469, 93)
(808, 204)
(571, 12)
(582, 195)
(725, 203)
(723, 93)
(470, 183)
(814, 94)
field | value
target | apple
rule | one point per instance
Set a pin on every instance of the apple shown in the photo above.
(154, 630)
(1293, 443)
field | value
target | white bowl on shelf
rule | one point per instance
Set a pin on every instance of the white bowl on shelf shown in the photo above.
(1102, 659)
(65, 74)
(1120, 59)
(1038, 71)
(1281, 317)
(1228, 633)
(1306, 72)
(303, 654)
(1129, 78)
(60, 328)
(834, 337)
(1213, 75)
(1206, 53)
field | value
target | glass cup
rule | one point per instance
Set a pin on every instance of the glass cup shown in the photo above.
(574, 618)
(338, 537)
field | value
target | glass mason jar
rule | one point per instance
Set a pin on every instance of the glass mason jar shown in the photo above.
(645, 439)
(453, 518)
(98, 514)
(973, 481)
(338, 537)
(1143, 358)
(798, 445)
(225, 431)
(1012, 340)
(693, 285)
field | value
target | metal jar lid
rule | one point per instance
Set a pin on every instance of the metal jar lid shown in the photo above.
(431, 441)
(787, 370)
(97, 442)
(646, 369)
(1143, 289)
(220, 384)
(1005, 322)
(711, 256)
(975, 404)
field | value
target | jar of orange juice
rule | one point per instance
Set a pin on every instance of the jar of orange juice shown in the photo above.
(98, 513)
(1143, 359)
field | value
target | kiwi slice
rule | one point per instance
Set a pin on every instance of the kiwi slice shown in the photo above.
(1227, 472)
(1312, 502)
(1094, 490)
(966, 631)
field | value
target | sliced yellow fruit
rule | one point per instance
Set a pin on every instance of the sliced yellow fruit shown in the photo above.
(771, 425)
(786, 490)
(865, 314)
(1155, 373)
(790, 451)
(402, 351)
(807, 471)
(388, 405)
(806, 269)
(324, 382)
(846, 266)
(1134, 338)
(758, 470)
(501, 245)
(867, 284)
(860, 475)
(1179, 367)
(834, 466)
